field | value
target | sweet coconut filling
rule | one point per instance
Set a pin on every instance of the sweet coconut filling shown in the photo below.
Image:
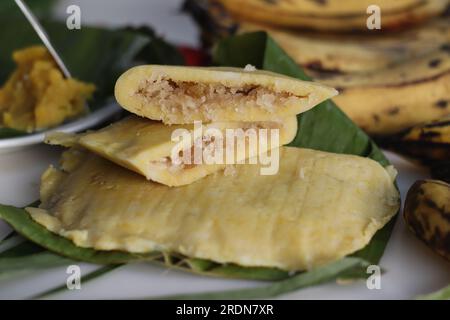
(209, 145)
(185, 97)
(208, 149)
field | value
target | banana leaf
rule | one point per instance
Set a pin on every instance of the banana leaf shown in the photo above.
(9, 242)
(303, 280)
(323, 128)
(14, 266)
(157, 51)
(10, 133)
(84, 279)
(40, 8)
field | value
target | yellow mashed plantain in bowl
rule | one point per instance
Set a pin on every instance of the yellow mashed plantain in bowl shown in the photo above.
(37, 96)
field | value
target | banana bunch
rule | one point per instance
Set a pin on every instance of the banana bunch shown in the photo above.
(333, 15)
(388, 82)
(427, 214)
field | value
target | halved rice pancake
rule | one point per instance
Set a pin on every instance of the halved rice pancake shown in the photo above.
(179, 95)
(318, 208)
(145, 146)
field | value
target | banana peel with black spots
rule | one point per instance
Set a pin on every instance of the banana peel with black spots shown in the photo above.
(427, 214)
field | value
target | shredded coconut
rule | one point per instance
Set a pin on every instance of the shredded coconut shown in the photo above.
(250, 67)
(190, 97)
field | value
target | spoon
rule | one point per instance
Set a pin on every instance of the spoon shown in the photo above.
(46, 40)
(43, 36)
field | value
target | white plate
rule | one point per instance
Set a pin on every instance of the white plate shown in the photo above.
(411, 268)
(86, 122)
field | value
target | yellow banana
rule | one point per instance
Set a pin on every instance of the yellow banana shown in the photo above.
(334, 15)
(328, 52)
(427, 213)
(356, 53)
(396, 98)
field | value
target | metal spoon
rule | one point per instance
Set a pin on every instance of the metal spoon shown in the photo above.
(43, 35)
(46, 40)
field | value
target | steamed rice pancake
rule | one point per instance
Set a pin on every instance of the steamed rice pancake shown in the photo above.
(146, 146)
(319, 207)
(179, 95)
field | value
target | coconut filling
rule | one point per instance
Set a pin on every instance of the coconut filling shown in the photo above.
(175, 97)
(208, 146)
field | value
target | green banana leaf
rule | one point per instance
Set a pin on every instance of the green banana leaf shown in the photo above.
(14, 266)
(10, 133)
(323, 128)
(40, 8)
(90, 276)
(303, 280)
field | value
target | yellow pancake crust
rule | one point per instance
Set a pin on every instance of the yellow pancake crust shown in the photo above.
(180, 95)
(319, 208)
(145, 146)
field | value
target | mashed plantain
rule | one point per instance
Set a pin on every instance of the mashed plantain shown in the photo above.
(37, 96)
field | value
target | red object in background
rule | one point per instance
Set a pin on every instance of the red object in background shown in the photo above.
(194, 57)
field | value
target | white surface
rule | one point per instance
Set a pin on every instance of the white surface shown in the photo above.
(164, 15)
(411, 269)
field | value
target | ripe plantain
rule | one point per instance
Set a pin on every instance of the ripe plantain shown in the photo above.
(356, 53)
(334, 15)
(343, 53)
(427, 214)
(428, 143)
(393, 99)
